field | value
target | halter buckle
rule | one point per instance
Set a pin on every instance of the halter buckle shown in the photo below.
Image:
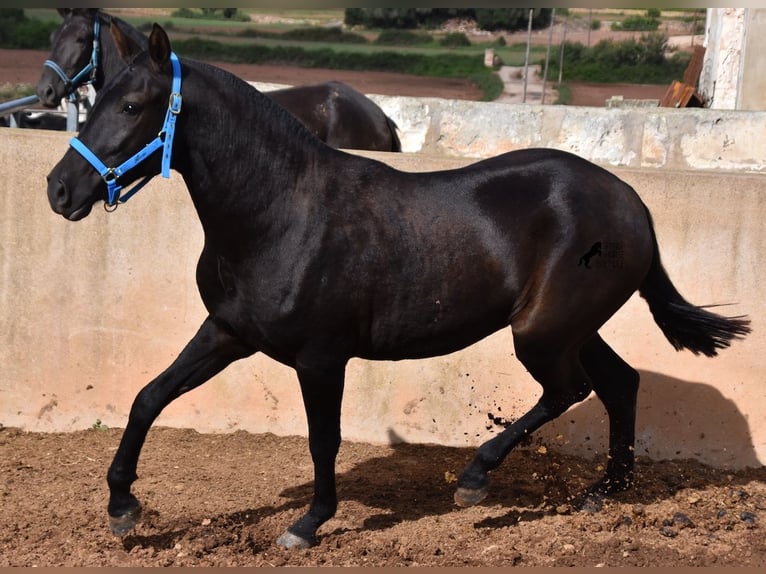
(174, 103)
(109, 175)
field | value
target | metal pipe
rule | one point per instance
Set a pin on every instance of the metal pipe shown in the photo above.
(17, 105)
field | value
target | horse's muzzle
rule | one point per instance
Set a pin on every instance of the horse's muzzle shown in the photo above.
(49, 97)
(60, 199)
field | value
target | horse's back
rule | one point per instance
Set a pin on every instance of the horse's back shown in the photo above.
(340, 116)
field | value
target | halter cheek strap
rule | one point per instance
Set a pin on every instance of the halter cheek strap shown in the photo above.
(89, 69)
(164, 140)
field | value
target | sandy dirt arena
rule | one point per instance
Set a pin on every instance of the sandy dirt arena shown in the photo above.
(222, 500)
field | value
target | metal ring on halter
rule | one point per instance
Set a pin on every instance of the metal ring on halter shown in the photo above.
(111, 207)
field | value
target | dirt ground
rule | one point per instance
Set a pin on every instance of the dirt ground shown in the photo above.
(223, 499)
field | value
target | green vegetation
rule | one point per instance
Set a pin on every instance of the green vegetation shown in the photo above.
(314, 38)
(486, 18)
(393, 37)
(639, 61)
(637, 24)
(565, 95)
(17, 31)
(455, 40)
(457, 65)
(212, 14)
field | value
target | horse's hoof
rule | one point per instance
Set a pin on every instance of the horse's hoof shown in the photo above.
(123, 524)
(290, 540)
(465, 497)
(592, 503)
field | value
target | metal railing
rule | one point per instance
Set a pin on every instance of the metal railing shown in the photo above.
(14, 107)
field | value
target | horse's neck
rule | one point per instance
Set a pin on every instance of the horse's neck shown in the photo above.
(242, 156)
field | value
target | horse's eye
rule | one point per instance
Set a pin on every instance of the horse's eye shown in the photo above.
(131, 109)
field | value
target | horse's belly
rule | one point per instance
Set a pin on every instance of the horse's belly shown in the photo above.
(439, 333)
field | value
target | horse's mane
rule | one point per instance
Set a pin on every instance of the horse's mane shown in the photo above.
(258, 111)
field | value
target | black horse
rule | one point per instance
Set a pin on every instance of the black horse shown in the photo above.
(84, 51)
(314, 256)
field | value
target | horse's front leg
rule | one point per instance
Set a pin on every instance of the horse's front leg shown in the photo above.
(322, 391)
(209, 352)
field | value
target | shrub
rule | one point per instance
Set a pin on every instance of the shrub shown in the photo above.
(486, 18)
(392, 37)
(332, 34)
(455, 40)
(635, 61)
(637, 24)
(19, 32)
(512, 18)
(212, 14)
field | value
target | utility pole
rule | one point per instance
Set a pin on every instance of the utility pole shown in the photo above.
(526, 57)
(561, 56)
(548, 52)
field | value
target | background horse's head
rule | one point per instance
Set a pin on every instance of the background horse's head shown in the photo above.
(72, 48)
(128, 114)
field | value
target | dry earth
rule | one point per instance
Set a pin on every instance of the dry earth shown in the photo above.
(222, 500)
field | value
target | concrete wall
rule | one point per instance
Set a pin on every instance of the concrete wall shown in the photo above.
(688, 139)
(734, 67)
(91, 311)
(621, 137)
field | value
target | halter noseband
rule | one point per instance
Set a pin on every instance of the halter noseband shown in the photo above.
(90, 68)
(164, 140)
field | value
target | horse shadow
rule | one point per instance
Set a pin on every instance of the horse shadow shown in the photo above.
(414, 481)
(401, 486)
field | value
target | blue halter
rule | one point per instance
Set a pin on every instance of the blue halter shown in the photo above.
(164, 140)
(89, 70)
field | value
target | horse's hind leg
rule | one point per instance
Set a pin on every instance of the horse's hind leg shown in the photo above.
(564, 383)
(211, 349)
(616, 384)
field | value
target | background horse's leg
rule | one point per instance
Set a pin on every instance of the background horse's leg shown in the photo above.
(564, 383)
(322, 396)
(616, 384)
(209, 352)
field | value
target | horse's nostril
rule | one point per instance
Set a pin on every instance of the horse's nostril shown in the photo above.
(47, 95)
(61, 194)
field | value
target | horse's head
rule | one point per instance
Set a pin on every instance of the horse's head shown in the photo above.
(70, 55)
(127, 115)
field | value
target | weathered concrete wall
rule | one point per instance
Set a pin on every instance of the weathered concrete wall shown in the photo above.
(91, 311)
(753, 83)
(722, 66)
(688, 139)
(618, 137)
(734, 66)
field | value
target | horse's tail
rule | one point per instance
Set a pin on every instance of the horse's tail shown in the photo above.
(396, 145)
(686, 326)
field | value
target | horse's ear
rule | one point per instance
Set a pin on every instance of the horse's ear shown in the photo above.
(64, 11)
(127, 47)
(159, 47)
